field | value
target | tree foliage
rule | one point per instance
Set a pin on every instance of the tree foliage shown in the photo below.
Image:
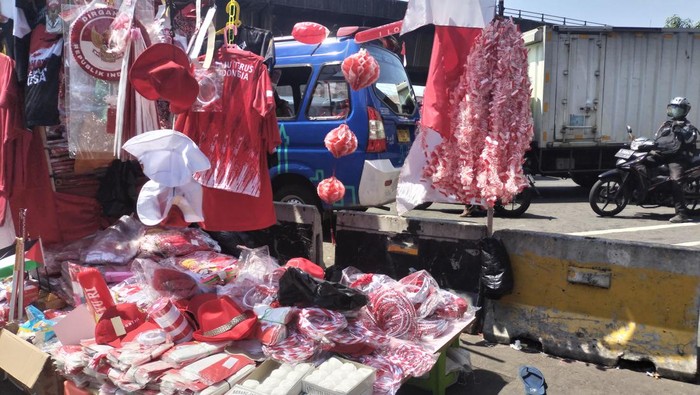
(677, 22)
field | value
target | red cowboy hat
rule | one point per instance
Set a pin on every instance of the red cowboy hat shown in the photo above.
(163, 71)
(221, 320)
(118, 321)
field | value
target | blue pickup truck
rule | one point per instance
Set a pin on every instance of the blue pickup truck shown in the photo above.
(313, 98)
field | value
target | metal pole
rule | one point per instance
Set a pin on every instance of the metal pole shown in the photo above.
(501, 8)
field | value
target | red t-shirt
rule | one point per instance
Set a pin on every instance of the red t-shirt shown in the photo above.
(10, 128)
(231, 139)
(237, 192)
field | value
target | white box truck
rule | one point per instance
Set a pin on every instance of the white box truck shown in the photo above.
(589, 83)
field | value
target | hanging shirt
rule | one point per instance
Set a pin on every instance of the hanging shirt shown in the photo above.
(231, 139)
(228, 211)
(237, 193)
(10, 129)
(41, 100)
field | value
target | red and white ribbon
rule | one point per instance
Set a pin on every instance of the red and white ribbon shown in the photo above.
(393, 313)
(319, 324)
(171, 320)
(295, 348)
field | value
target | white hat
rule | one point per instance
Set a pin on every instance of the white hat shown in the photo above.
(155, 201)
(168, 157)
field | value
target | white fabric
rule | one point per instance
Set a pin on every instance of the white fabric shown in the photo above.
(168, 157)
(458, 13)
(7, 9)
(156, 200)
(412, 188)
(21, 27)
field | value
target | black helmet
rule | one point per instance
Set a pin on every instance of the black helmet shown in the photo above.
(678, 108)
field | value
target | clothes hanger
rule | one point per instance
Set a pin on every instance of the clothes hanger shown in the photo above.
(234, 21)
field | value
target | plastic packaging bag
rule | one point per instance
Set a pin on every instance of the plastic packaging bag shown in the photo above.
(166, 281)
(301, 289)
(117, 244)
(211, 85)
(496, 278)
(38, 329)
(211, 268)
(175, 242)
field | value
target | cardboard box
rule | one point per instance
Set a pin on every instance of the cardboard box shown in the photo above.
(28, 366)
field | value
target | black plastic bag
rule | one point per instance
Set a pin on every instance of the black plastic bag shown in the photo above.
(300, 289)
(496, 277)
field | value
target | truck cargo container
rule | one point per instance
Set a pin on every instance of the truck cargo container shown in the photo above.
(589, 83)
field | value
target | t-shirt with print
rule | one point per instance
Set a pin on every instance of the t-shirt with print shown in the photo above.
(41, 99)
(232, 139)
(229, 211)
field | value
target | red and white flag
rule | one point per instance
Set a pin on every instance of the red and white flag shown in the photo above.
(458, 24)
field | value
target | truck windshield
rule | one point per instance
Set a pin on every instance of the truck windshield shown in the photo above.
(393, 87)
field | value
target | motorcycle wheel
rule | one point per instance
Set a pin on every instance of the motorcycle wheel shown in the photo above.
(691, 190)
(517, 206)
(602, 197)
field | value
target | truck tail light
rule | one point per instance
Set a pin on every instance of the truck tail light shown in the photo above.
(377, 138)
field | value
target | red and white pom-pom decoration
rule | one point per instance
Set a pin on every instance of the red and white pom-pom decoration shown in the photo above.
(331, 190)
(341, 141)
(309, 33)
(360, 70)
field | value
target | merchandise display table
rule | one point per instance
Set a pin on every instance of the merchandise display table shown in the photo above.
(438, 379)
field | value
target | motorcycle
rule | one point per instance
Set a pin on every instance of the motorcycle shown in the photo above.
(638, 178)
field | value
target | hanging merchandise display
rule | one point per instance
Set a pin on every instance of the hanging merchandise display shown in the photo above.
(330, 190)
(237, 141)
(309, 33)
(94, 71)
(360, 70)
(163, 71)
(43, 77)
(341, 141)
(493, 126)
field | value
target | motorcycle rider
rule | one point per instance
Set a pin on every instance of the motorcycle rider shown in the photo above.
(676, 140)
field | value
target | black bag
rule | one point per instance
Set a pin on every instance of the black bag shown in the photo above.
(668, 142)
(496, 278)
(298, 288)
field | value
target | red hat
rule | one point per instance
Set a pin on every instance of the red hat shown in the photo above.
(172, 282)
(221, 320)
(307, 266)
(116, 322)
(163, 71)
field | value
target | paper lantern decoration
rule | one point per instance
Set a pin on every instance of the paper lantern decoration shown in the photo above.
(360, 70)
(309, 32)
(341, 141)
(331, 190)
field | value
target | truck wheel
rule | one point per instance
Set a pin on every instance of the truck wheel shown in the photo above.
(607, 198)
(585, 180)
(297, 194)
(517, 207)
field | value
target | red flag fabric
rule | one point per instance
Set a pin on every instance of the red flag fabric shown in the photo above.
(449, 57)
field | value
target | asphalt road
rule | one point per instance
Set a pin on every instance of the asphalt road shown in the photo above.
(562, 207)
